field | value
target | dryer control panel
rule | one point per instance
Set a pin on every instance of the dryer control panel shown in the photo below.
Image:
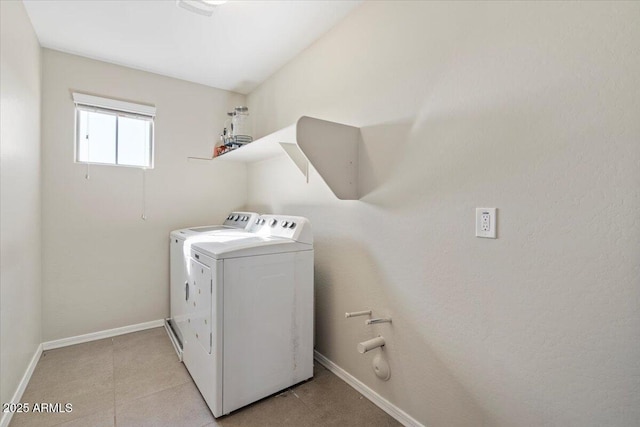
(292, 227)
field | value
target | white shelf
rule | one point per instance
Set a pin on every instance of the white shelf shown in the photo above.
(263, 148)
(332, 149)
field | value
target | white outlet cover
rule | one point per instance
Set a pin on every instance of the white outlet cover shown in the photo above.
(486, 223)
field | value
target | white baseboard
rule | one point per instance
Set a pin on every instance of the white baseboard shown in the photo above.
(391, 409)
(17, 396)
(79, 339)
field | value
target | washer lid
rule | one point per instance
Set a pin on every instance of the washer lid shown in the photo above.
(187, 233)
(234, 221)
(240, 244)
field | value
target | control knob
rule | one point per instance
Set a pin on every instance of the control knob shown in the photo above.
(273, 222)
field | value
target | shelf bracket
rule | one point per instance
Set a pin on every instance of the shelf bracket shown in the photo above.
(298, 158)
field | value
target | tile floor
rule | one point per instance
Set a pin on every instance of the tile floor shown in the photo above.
(136, 380)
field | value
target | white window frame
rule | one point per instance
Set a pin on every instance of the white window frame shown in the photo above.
(91, 103)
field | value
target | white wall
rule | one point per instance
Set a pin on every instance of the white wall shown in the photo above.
(103, 266)
(20, 268)
(532, 108)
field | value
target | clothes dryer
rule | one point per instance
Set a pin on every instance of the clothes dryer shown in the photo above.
(249, 329)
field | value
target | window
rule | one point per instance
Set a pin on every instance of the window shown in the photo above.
(113, 132)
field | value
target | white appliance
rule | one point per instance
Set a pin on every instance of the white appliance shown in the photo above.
(178, 265)
(249, 330)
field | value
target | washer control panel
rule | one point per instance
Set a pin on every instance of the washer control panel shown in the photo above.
(241, 219)
(293, 227)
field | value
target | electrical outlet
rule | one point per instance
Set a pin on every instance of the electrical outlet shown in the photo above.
(486, 222)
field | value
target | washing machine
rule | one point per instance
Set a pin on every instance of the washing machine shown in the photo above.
(249, 329)
(178, 268)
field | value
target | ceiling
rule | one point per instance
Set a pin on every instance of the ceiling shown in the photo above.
(237, 48)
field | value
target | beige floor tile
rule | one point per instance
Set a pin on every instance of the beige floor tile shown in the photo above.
(337, 403)
(284, 409)
(99, 419)
(137, 379)
(134, 337)
(79, 351)
(145, 363)
(87, 395)
(81, 375)
(178, 406)
(319, 370)
(73, 362)
(132, 384)
(152, 343)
